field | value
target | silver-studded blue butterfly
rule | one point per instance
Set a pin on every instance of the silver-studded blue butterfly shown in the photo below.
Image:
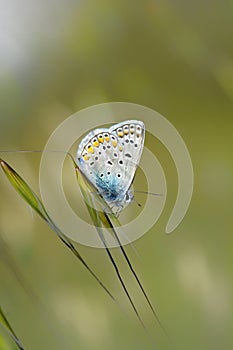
(109, 158)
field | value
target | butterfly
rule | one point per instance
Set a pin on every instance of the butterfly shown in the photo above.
(109, 159)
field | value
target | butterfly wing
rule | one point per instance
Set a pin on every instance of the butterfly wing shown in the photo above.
(109, 157)
(131, 134)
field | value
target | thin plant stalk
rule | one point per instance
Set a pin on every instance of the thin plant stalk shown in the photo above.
(9, 329)
(135, 275)
(98, 220)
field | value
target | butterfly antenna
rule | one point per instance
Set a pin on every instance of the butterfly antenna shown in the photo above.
(150, 193)
(137, 279)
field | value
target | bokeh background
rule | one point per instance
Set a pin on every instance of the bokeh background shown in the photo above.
(57, 57)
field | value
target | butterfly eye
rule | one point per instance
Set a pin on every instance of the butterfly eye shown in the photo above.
(118, 175)
(121, 162)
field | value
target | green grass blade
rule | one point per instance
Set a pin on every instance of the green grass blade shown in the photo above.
(32, 199)
(119, 277)
(133, 271)
(8, 259)
(10, 331)
(23, 189)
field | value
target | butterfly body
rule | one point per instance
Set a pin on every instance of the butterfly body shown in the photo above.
(109, 158)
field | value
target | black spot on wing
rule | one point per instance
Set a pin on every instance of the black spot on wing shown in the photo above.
(128, 155)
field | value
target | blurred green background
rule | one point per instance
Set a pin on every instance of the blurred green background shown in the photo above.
(57, 57)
